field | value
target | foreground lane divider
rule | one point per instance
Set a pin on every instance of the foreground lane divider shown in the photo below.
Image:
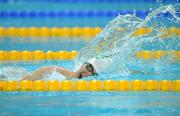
(109, 85)
(76, 31)
(11, 86)
(36, 55)
(67, 85)
(53, 85)
(176, 85)
(39, 85)
(151, 85)
(165, 85)
(137, 85)
(123, 85)
(81, 85)
(93, 85)
(26, 85)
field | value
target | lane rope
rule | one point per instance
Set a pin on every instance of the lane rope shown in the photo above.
(76, 31)
(37, 55)
(82, 1)
(72, 13)
(93, 85)
(49, 32)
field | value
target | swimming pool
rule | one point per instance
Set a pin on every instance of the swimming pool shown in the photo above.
(33, 27)
(90, 103)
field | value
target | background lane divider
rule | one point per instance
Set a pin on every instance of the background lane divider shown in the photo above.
(49, 32)
(37, 55)
(76, 1)
(74, 13)
(93, 85)
(75, 31)
(70, 13)
(65, 55)
(158, 54)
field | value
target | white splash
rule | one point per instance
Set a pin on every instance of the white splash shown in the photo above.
(116, 40)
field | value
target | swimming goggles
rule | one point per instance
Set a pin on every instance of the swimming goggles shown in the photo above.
(89, 68)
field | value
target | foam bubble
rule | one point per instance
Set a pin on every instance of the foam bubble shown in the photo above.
(12, 73)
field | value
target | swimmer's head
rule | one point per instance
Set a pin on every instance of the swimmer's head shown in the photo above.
(94, 67)
(86, 70)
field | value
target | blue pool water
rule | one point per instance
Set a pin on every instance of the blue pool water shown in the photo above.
(90, 103)
(87, 103)
(152, 103)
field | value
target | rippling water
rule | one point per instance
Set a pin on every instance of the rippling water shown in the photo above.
(90, 104)
(118, 42)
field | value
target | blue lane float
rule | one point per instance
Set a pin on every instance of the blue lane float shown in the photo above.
(75, 1)
(58, 14)
(83, 1)
(83, 13)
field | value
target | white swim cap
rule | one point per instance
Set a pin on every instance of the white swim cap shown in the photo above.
(100, 64)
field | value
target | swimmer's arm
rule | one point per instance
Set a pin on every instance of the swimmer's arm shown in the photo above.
(40, 72)
(66, 72)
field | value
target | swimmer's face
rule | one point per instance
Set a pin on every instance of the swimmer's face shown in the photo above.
(86, 70)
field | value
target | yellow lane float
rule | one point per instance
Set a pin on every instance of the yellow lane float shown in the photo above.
(76, 31)
(137, 85)
(25, 85)
(142, 31)
(53, 85)
(38, 55)
(49, 32)
(158, 54)
(123, 85)
(92, 85)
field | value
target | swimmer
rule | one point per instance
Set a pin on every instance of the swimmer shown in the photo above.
(89, 68)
